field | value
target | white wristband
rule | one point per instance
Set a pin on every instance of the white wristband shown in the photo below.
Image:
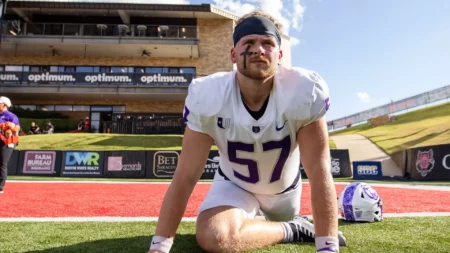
(160, 243)
(327, 244)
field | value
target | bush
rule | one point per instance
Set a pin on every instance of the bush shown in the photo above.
(61, 125)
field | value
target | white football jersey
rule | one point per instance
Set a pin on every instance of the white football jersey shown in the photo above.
(260, 156)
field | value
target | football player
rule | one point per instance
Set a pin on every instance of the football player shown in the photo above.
(263, 117)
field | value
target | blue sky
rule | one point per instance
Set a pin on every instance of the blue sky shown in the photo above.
(369, 52)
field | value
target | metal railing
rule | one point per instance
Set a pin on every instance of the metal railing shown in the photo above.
(145, 126)
(102, 30)
(391, 108)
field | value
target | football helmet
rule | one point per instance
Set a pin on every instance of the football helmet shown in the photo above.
(360, 202)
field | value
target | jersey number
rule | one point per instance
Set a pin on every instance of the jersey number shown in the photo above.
(284, 145)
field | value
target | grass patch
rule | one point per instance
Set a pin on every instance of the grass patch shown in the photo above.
(332, 144)
(401, 234)
(104, 142)
(424, 127)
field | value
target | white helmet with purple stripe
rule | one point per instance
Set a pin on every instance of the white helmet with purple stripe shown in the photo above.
(360, 202)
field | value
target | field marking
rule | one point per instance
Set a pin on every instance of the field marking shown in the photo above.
(184, 219)
(404, 185)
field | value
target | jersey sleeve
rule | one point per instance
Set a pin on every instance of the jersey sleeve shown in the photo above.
(204, 100)
(192, 120)
(320, 99)
(191, 115)
(305, 94)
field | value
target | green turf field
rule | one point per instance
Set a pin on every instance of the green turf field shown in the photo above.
(106, 142)
(426, 234)
(424, 127)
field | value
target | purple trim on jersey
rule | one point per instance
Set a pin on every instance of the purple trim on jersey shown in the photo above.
(327, 103)
(327, 250)
(9, 116)
(186, 113)
(347, 202)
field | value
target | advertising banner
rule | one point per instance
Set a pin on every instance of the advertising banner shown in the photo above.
(367, 170)
(162, 164)
(211, 166)
(429, 162)
(125, 164)
(147, 79)
(37, 162)
(340, 164)
(82, 164)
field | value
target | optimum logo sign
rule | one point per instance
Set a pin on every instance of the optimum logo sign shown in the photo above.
(160, 78)
(8, 77)
(47, 77)
(103, 78)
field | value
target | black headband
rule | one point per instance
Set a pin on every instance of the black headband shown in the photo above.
(256, 25)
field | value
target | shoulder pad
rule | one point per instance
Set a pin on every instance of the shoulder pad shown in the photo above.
(306, 94)
(206, 95)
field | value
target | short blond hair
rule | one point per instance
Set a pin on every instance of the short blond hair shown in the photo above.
(259, 12)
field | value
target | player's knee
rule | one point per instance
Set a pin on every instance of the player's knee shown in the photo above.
(217, 237)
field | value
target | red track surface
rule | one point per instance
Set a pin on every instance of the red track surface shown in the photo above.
(36, 199)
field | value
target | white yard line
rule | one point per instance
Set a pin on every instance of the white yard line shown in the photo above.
(184, 219)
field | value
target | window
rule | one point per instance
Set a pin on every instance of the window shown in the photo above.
(81, 108)
(187, 70)
(68, 69)
(39, 68)
(119, 108)
(63, 108)
(85, 69)
(28, 107)
(13, 68)
(174, 70)
(47, 108)
(105, 69)
(119, 70)
(156, 70)
(139, 70)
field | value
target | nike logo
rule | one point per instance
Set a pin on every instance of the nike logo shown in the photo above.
(279, 128)
(329, 243)
(156, 242)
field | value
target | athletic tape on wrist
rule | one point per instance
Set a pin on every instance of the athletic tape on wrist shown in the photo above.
(327, 244)
(160, 243)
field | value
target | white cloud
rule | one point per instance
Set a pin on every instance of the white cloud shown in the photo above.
(297, 19)
(363, 97)
(235, 7)
(294, 41)
(288, 12)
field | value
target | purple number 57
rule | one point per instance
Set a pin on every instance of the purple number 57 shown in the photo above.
(284, 145)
